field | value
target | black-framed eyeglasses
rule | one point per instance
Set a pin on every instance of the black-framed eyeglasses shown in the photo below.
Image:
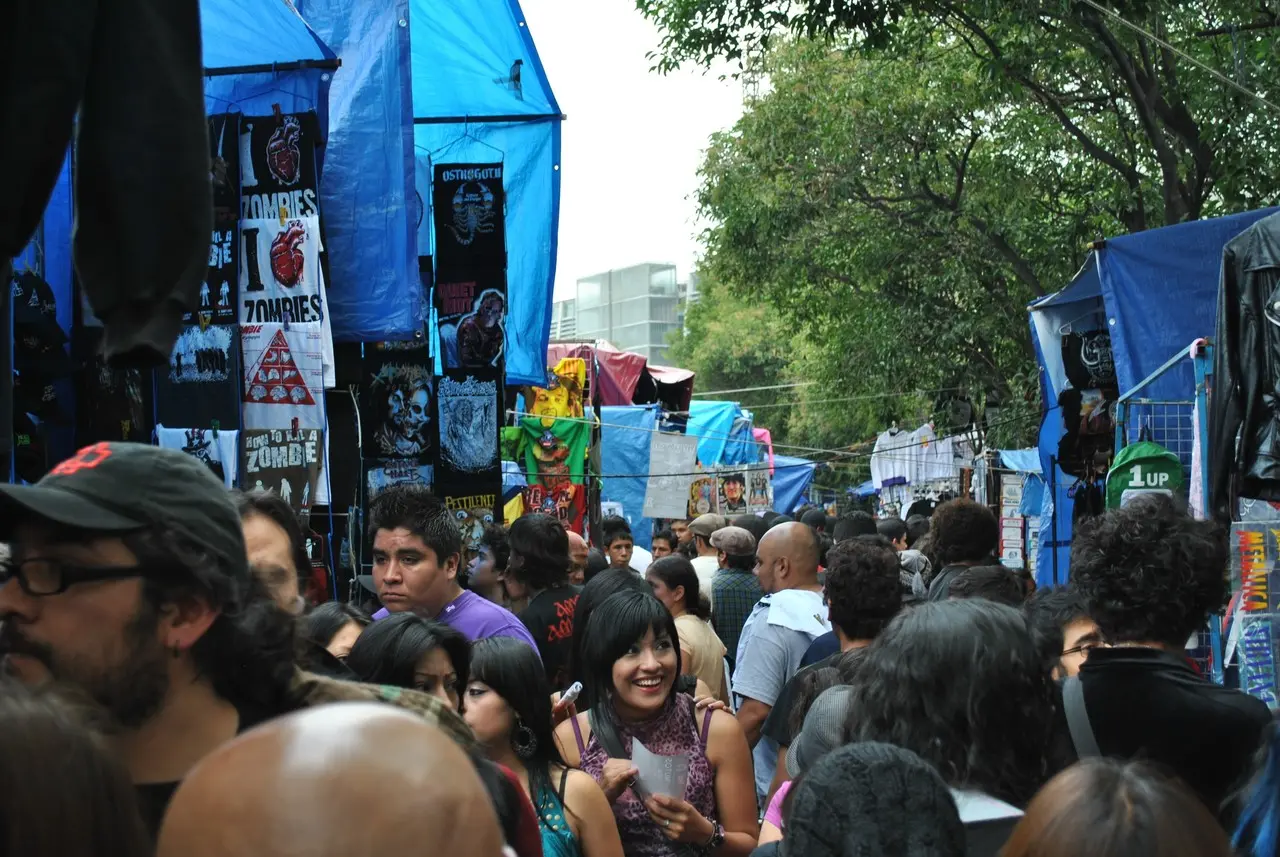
(40, 576)
(1082, 649)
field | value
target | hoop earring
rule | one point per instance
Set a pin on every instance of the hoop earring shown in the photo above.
(523, 741)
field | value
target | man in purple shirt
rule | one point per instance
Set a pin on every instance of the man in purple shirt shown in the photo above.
(417, 553)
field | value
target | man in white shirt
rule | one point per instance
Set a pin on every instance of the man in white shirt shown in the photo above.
(707, 562)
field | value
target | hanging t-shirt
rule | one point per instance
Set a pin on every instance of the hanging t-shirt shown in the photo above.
(1087, 359)
(219, 450)
(286, 462)
(922, 455)
(889, 459)
(283, 376)
(549, 618)
(202, 385)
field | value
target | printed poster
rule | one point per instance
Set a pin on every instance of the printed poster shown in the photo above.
(397, 411)
(731, 491)
(202, 385)
(702, 496)
(286, 462)
(217, 300)
(760, 489)
(672, 460)
(380, 474)
(468, 414)
(566, 502)
(218, 450)
(472, 324)
(283, 376)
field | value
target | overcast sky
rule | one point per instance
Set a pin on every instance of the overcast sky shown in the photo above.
(634, 139)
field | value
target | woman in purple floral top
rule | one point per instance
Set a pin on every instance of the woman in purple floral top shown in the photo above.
(631, 659)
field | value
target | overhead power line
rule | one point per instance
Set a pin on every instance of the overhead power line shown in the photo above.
(1186, 56)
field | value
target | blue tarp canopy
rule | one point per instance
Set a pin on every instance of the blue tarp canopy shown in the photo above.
(1156, 292)
(865, 490)
(237, 33)
(791, 479)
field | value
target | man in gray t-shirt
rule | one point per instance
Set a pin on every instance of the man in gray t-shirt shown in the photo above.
(777, 634)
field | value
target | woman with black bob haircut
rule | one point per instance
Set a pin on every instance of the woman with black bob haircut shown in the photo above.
(675, 584)
(631, 659)
(597, 590)
(962, 685)
(405, 650)
(508, 708)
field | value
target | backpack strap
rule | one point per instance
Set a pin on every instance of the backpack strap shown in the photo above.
(1082, 736)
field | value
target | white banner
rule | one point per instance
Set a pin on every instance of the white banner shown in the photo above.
(672, 460)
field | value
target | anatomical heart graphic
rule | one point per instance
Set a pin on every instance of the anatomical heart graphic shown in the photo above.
(284, 152)
(287, 259)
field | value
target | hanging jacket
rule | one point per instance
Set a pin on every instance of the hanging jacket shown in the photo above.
(1244, 411)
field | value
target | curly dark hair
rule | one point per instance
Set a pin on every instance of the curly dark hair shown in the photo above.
(1149, 572)
(961, 684)
(992, 582)
(539, 552)
(862, 588)
(964, 531)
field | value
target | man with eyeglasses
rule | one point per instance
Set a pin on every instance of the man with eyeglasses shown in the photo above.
(1064, 632)
(129, 580)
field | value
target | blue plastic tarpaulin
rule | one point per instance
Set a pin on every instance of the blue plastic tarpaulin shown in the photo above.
(712, 424)
(791, 479)
(368, 195)
(625, 433)
(480, 95)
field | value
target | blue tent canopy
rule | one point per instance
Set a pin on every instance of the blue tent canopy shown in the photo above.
(1155, 292)
(238, 33)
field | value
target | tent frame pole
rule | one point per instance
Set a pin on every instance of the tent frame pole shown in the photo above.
(479, 120)
(262, 68)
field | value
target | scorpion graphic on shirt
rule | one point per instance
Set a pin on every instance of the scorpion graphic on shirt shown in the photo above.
(473, 212)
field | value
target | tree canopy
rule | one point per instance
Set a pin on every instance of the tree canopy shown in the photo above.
(915, 173)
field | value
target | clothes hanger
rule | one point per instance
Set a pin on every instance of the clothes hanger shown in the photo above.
(1065, 329)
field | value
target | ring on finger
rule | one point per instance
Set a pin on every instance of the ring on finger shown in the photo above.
(666, 822)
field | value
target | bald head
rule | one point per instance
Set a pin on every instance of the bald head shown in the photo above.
(579, 550)
(270, 792)
(787, 557)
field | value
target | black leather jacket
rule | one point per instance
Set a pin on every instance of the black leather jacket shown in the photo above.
(1244, 408)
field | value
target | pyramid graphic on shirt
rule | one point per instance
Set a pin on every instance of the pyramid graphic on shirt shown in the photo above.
(275, 378)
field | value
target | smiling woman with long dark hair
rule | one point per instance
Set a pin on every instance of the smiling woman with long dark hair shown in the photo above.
(630, 662)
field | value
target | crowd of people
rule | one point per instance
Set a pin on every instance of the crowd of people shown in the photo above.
(805, 686)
